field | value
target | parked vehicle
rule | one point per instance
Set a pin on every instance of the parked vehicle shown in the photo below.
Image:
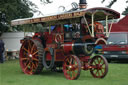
(69, 44)
(117, 43)
(117, 47)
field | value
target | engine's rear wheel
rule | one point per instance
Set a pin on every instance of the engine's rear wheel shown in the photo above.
(31, 53)
(99, 66)
(72, 67)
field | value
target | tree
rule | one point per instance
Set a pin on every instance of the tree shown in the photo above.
(125, 12)
(14, 9)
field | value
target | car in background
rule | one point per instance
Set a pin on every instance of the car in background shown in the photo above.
(117, 46)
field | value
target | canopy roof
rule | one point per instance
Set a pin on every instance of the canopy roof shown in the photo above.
(100, 13)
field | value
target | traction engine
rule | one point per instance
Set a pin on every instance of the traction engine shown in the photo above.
(58, 49)
(67, 43)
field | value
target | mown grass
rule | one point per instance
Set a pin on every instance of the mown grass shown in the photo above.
(11, 74)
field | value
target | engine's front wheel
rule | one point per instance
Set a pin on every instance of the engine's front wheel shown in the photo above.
(99, 66)
(31, 53)
(72, 67)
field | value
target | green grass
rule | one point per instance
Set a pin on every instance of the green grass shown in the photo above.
(11, 74)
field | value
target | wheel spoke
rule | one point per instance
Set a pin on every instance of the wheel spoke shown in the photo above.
(74, 73)
(100, 60)
(32, 48)
(36, 64)
(93, 69)
(35, 59)
(66, 65)
(25, 54)
(35, 53)
(102, 72)
(25, 49)
(103, 64)
(70, 61)
(29, 44)
(31, 68)
(98, 73)
(26, 66)
(24, 59)
(95, 62)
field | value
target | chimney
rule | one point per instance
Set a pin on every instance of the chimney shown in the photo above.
(82, 4)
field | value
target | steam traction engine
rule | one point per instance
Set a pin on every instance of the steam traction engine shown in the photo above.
(68, 41)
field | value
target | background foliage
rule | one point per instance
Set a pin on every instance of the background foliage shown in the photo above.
(125, 12)
(14, 9)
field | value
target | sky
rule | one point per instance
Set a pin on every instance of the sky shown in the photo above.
(52, 8)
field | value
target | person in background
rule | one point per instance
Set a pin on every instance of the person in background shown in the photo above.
(1, 51)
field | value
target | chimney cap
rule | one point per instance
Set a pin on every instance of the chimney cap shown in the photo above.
(83, 2)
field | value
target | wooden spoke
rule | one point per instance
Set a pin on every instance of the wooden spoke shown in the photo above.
(35, 53)
(93, 69)
(75, 74)
(25, 49)
(33, 66)
(70, 61)
(66, 65)
(25, 63)
(98, 73)
(26, 54)
(35, 59)
(24, 59)
(100, 60)
(103, 64)
(32, 48)
(94, 62)
(102, 71)
(29, 44)
(36, 64)
(26, 66)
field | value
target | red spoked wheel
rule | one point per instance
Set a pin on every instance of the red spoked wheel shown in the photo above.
(99, 66)
(72, 67)
(31, 53)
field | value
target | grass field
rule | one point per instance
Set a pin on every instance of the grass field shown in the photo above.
(11, 74)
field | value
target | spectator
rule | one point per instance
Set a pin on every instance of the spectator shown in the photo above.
(1, 51)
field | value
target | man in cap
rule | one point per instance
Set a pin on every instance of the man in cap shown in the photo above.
(1, 50)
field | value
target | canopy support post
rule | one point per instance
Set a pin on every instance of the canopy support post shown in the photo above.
(107, 26)
(87, 25)
(110, 27)
(92, 25)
